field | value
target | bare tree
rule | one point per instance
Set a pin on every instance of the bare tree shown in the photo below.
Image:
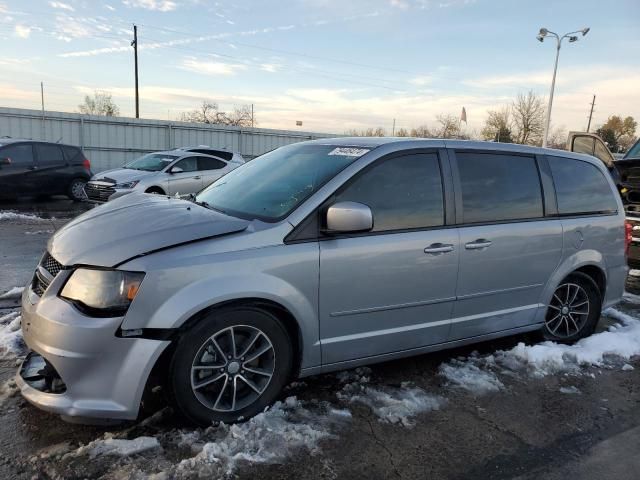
(402, 132)
(100, 104)
(449, 126)
(527, 112)
(209, 112)
(498, 126)
(557, 138)
(422, 132)
(369, 132)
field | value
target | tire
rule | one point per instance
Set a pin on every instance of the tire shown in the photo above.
(219, 388)
(75, 190)
(155, 190)
(574, 310)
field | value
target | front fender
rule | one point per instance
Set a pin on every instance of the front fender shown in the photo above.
(169, 298)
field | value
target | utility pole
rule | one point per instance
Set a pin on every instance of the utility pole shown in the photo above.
(134, 44)
(393, 130)
(42, 100)
(593, 102)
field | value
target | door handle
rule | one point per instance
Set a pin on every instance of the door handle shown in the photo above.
(436, 248)
(197, 178)
(478, 244)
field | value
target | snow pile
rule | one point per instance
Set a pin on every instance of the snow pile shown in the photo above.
(474, 374)
(11, 343)
(15, 292)
(479, 374)
(8, 216)
(39, 232)
(117, 446)
(269, 437)
(621, 341)
(391, 404)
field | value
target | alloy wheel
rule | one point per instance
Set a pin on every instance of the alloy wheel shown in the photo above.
(568, 310)
(77, 190)
(233, 368)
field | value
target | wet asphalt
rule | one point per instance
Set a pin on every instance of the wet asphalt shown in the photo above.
(527, 431)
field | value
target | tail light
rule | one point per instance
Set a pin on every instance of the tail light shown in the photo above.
(86, 164)
(628, 229)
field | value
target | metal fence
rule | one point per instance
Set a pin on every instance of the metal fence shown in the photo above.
(112, 141)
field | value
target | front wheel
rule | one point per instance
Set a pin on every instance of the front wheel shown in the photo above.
(230, 366)
(574, 309)
(76, 191)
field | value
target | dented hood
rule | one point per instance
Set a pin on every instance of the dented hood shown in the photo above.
(136, 224)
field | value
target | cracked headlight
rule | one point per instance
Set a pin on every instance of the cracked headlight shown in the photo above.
(127, 184)
(102, 292)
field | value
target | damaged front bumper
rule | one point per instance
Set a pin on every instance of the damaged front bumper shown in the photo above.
(79, 367)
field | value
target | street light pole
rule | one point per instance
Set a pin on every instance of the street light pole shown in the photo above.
(544, 33)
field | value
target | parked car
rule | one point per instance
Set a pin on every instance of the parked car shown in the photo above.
(180, 171)
(30, 167)
(318, 256)
(626, 175)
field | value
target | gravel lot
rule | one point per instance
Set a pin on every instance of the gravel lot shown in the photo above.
(485, 411)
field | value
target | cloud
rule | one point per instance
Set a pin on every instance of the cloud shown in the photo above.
(211, 68)
(401, 4)
(155, 5)
(420, 81)
(270, 67)
(22, 31)
(62, 6)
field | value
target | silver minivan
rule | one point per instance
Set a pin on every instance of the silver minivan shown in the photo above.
(316, 257)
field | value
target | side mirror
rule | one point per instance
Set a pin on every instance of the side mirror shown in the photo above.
(176, 170)
(344, 217)
(5, 161)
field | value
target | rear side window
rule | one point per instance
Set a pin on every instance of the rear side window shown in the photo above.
(497, 187)
(21, 154)
(580, 187)
(49, 154)
(217, 153)
(208, 163)
(583, 144)
(73, 154)
(403, 192)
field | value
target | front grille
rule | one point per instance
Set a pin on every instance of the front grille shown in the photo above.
(97, 192)
(41, 281)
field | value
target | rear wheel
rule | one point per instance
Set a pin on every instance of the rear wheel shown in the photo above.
(574, 309)
(75, 191)
(230, 366)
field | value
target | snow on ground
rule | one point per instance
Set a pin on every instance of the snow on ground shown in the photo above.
(631, 297)
(8, 389)
(11, 343)
(39, 232)
(389, 404)
(269, 437)
(14, 292)
(118, 446)
(8, 216)
(570, 390)
(478, 374)
(473, 373)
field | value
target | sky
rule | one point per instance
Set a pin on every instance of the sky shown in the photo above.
(334, 65)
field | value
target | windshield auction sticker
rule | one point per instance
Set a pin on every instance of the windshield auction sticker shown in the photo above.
(349, 151)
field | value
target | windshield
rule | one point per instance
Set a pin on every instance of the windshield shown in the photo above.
(274, 184)
(634, 152)
(152, 162)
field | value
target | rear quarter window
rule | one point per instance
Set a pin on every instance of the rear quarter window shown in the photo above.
(72, 154)
(581, 187)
